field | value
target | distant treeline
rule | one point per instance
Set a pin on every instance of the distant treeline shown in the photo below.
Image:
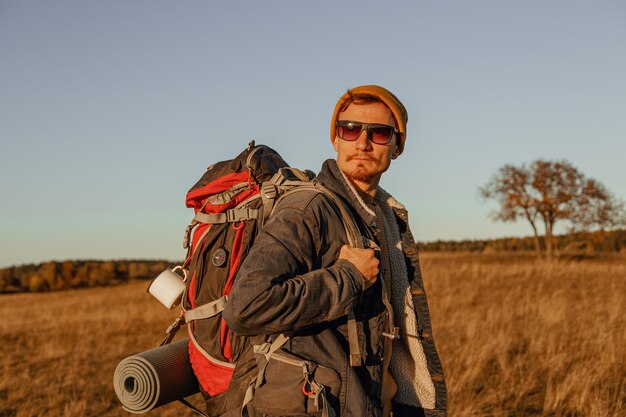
(51, 276)
(573, 243)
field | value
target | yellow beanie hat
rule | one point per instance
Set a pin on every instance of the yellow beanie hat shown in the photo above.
(385, 96)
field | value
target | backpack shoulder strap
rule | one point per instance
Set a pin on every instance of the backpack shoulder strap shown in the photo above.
(347, 218)
(291, 180)
(355, 239)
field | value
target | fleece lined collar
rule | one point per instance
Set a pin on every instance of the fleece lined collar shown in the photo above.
(331, 177)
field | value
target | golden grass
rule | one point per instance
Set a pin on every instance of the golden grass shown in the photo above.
(59, 350)
(517, 338)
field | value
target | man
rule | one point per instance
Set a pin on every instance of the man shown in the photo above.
(303, 281)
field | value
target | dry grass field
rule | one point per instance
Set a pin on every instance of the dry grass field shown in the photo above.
(517, 337)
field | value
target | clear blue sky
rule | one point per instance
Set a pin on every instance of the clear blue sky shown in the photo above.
(111, 110)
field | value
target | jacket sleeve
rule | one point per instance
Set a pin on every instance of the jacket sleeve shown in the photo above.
(283, 284)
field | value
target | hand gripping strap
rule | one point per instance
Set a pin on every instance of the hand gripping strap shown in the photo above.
(394, 331)
(355, 240)
(270, 190)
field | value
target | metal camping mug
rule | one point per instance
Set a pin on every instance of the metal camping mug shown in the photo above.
(168, 287)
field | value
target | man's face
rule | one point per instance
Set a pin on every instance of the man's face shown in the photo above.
(362, 161)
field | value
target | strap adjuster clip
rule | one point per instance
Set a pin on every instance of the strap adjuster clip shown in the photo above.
(187, 235)
(394, 335)
(269, 190)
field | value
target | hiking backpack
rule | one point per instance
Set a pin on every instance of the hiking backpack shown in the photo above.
(231, 201)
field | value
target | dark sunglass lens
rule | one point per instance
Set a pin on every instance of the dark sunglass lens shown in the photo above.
(381, 135)
(349, 131)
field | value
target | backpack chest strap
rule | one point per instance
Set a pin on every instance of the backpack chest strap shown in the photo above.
(234, 215)
(207, 310)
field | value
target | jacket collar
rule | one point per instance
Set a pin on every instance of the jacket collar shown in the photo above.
(331, 177)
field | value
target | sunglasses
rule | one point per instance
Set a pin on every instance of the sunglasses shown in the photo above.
(377, 133)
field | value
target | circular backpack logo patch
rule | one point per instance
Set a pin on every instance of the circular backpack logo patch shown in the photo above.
(218, 258)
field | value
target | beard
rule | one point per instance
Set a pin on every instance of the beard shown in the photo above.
(360, 174)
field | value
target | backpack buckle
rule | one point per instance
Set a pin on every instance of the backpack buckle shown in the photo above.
(231, 216)
(269, 190)
(241, 214)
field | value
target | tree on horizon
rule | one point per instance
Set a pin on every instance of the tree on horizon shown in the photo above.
(552, 191)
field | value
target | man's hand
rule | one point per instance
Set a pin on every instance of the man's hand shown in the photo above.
(364, 260)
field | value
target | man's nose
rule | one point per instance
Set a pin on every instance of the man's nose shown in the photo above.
(362, 142)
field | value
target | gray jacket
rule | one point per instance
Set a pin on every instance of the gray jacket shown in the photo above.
(292, 282)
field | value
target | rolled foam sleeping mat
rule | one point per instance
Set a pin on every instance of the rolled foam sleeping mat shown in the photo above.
(155, 377)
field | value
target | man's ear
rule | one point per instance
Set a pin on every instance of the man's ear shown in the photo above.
(396, 151)
(336, 144)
